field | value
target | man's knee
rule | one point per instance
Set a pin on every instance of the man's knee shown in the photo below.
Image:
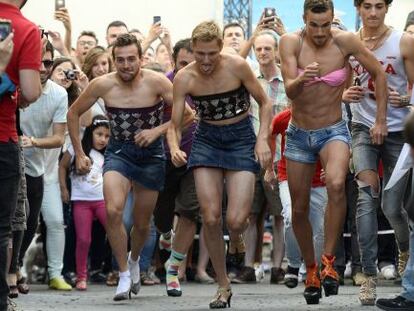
(335, 186)
(236, 225)
(114, 214)
(211, 221)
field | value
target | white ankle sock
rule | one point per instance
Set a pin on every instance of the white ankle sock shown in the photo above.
(134, 269)
(124, 283)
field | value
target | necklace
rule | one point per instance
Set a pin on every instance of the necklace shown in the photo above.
(378, 39)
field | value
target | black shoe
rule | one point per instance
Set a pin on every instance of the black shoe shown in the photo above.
(246, 275)
(70, 278)
(277, 275)
(397, 303)
(97, 277)
(291, 277)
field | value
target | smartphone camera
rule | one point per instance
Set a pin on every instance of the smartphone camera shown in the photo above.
(156, 19)
(5, 29)
(70, 74)
(269, 12)
(59, 4)
(357, 82)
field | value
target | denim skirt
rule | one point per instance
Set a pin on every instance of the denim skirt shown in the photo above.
(229, 147)
(145, 166)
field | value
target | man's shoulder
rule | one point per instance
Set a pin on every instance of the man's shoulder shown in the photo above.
(55, 89)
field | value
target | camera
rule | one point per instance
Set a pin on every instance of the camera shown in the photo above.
(70, 74)
(156, 19)
(5, 29)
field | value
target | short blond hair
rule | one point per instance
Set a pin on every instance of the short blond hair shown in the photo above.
(206, 32)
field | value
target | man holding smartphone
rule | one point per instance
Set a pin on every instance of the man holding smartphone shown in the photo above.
(23, 70)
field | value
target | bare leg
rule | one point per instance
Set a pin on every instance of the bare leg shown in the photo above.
(299, 179)
(203, 256)
(278, 241)
(116, 188)
(335, 157)
(209, 186)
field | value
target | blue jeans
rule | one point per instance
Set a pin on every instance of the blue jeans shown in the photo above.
(366, 156)
(148, 250)
(318, 201)
(304, 145)
(408, 277)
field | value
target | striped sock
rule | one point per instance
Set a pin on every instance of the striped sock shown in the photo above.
(174, 263)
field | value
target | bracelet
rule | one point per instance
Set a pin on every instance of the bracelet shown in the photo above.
(405, 100)
(32, 140)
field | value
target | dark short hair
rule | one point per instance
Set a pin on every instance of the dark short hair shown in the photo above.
(318, 6)
(116, 24)
(359, 2)
(233, 24)
(182, 44)
(89, 34)
(410, 20)
(409, 130)
(127, 39)
(49, 48)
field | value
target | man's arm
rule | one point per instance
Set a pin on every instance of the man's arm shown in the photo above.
(30, 86)
(407, 48)
(249, 80)
(178, 157)
(371, 64)
(293, 81)
(85, 101)
(55, 141)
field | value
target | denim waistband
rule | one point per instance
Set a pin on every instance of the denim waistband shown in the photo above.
(320, 130)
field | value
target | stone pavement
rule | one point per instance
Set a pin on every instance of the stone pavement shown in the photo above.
(262, 296)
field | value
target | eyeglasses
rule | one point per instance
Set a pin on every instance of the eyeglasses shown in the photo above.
(47, 63)
(90, 43)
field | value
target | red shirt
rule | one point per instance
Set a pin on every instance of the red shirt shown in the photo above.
(280, 123)
(26, 55)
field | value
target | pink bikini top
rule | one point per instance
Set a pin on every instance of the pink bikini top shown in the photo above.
(334, 78)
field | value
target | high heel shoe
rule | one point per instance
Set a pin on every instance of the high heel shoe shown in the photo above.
(222, 299)
(124, 295)
(330, 278)
(313, 290)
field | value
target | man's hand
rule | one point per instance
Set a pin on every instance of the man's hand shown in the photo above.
(27, 142)
(6, 51)
(63, 16)
(309, 73)
(353, 95)
(270, 177)
(154, 32)
(397, 100)
(178, 157)
(166, 38)
(378, 132)
(146, 137)
(262, 153)
(57, 42)
(83, 164)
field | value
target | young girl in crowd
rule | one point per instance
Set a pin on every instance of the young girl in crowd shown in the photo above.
(87, 191)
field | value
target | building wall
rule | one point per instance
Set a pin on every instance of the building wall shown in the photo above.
(179, 16)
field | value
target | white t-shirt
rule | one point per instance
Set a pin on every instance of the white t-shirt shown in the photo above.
(37, 119)
(88, 187)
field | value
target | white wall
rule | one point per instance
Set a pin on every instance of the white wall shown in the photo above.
(397, 13)
(180, 16)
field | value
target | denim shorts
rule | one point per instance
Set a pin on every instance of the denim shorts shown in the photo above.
(229, 147)
(145, 166)
(304, 145)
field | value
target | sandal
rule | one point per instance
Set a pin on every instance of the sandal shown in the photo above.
(222, 298)
(112, 279)
(14, 292)
(146, 279)
(22, 286)
(81, 285)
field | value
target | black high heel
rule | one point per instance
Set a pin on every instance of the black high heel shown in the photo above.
(312, 295)
(222, 299)
(14, 292)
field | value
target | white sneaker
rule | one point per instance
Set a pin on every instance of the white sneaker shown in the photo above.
(259, 272)
(389, 272)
